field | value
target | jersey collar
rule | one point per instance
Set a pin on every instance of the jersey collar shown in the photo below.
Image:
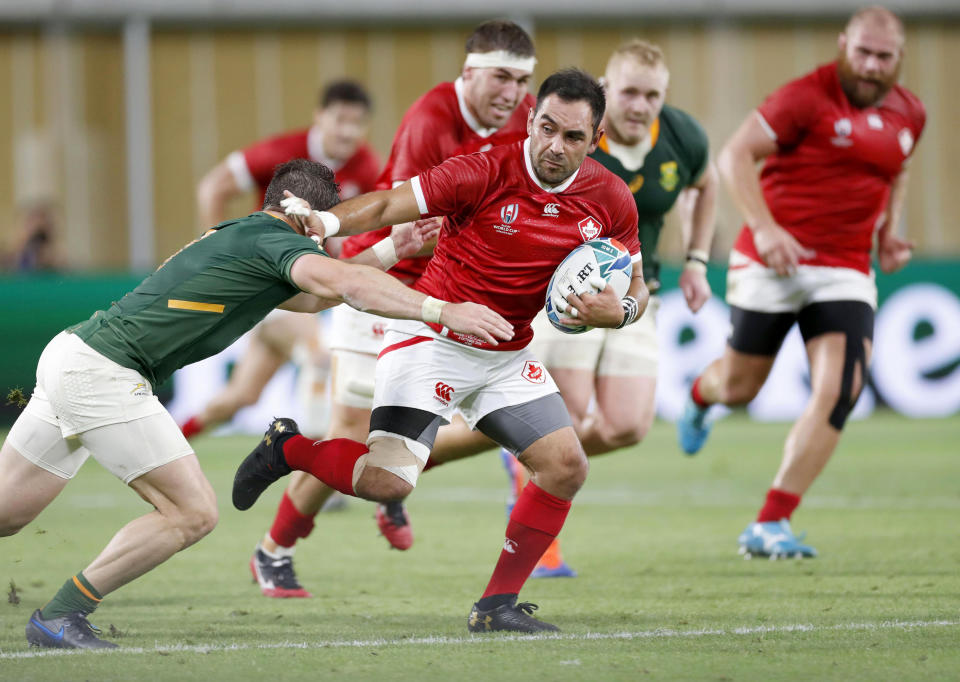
(315, 149)
(632, 157)
(533, 176)
(465, 112)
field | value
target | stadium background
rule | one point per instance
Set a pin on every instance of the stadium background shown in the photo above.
(113, 111)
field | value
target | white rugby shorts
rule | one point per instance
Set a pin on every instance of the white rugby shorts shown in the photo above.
(84, 402)
(631, 351)
(356, 331)
(420, 369)
(754, 286)
(355, 339)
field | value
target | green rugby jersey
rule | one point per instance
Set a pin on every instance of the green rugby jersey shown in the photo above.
(201, 299)
(676, 161)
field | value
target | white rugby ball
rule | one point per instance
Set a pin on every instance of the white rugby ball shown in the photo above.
(606, 258)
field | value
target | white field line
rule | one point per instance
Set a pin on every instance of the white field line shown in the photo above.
(660, 633)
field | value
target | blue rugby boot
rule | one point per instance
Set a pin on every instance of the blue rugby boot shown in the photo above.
(773, 539)
(693, 427)
(72, 631)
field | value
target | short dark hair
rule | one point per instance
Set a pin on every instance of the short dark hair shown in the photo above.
(574, 85)
(308, 180)
(347, 91)
(500, 34)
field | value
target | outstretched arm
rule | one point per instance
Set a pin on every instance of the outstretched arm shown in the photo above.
(360, 214)
(373, 291)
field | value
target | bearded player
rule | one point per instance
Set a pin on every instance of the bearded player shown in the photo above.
(498, 244)
(486, 106)
(835, 145)
(336, 139)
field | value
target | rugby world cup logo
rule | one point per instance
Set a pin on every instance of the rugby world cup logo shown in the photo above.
(509, 213)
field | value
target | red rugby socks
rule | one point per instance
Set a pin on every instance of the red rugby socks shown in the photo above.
(695, 394)
(290, 525)
(779, 505)
(536, 520)
(331, 461)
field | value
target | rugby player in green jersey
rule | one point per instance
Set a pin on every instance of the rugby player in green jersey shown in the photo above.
(94, 393)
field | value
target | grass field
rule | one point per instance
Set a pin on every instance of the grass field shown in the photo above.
(662, 594)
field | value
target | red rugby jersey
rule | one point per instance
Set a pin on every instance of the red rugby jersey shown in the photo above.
(504, 234)
(253, 166)
(435, 128)
(829, 181)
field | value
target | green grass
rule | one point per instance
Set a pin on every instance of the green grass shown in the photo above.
(653, 535)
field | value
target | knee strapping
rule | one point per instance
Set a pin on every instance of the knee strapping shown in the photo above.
(401, 456)
(854, 356)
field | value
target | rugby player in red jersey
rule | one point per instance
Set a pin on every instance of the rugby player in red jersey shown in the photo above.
(486, 106)
(336, 139)
(94, 392)
(500, 245)
(835, 144)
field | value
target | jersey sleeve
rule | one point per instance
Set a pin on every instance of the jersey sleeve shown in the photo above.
(280, 249)
(455, 187)
(789, 112)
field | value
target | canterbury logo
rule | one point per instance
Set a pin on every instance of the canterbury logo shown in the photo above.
(444, 391)
(510, 546)
(551, 209)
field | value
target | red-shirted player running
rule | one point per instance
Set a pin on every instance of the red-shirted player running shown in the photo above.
(835, 143)
(486, 106)
(498, 245)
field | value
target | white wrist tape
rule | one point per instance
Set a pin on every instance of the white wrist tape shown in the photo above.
(331, 223)
(386, 252)
(431, 308)
(695, 266)
(500, 58)
(698, 254)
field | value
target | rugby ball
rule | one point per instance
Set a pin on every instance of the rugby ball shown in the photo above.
(606, 258)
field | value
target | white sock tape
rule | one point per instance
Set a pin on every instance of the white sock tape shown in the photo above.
(431, 308)
(386, 252)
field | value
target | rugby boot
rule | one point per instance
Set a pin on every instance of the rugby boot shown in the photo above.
(693, 427)
(275, 576)
(510, 617)
(72, 631)
(773, 539)
(394, 524)
(264, 465)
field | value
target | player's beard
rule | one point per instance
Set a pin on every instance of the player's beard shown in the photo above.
(858, 88)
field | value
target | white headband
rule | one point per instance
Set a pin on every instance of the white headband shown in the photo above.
(500, 59)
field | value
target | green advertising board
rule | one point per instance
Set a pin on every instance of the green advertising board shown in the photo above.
(917, 346)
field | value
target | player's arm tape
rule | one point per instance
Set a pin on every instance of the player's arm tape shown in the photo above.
(431, 308)
(631, 311)
(697, 260)
(298, 207)
(386, 252)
